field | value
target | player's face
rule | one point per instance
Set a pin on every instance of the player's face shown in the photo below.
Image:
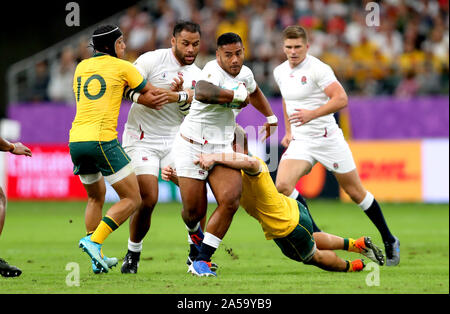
(231, 58)
(120, 47)
(186, 46)
(295, 50)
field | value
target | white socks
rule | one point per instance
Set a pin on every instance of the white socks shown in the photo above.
(294, 194)
(134, 247)
(367, 202)
(211, 240)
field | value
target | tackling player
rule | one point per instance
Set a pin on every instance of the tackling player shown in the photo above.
(149, 134)
(311, 95)
(99, 84)
(283, 219)
(225, 84)
(7, 270)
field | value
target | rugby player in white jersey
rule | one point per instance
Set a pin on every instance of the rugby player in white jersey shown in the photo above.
(149, 134)
(311, 95)
(225, 84)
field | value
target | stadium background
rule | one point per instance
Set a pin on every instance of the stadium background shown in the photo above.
(396, 76)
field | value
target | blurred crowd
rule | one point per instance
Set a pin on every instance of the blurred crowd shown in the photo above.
(406, 54)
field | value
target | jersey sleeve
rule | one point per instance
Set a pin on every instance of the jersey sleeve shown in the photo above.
(324, 76)
(146, 62)
(276, 76)
(133, 77)
(249, 80)
(211, 75)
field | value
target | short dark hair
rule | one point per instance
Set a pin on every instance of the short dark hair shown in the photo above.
(294, 32)
(191, 27)
(228, 38)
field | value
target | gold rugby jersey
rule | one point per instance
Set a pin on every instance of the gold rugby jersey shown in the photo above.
(98, 85)
(277, 213)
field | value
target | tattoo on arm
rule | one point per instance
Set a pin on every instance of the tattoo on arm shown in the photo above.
(209, 93)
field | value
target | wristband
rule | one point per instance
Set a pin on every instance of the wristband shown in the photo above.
(240, 93)
(272, 119)
(135, 96)
(184, 108)
(131, 94)
(182, 97)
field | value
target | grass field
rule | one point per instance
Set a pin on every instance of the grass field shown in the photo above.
(42, 238)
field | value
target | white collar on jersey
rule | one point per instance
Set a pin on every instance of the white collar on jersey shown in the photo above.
(301, 64)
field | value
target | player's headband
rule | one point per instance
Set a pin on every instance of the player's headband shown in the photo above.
(105, 42)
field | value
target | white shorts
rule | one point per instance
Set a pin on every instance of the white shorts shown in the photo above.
(332, 152)
(185, 153)
(148, 155)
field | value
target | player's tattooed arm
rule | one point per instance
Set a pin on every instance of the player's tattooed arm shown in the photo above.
(209, 93)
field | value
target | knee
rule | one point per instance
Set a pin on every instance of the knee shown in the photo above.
(148, 201)
(229, 200)
(284, 188)
(315, 260)
(356, 194)
(133, 203)
(96, 196)
(97, 199)
(192, 214)
(136, 201)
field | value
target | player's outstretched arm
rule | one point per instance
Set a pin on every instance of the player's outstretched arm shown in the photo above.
(260, 102)
(338, 100)
(237, 161)
(209, 93)
(149, 96)
(155, 98)
(16, 148)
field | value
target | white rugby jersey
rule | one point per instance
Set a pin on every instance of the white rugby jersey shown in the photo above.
(212, 122)
(303, 88)
(160, 67)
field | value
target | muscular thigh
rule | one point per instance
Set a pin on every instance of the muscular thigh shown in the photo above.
(291, 170)
(193, 193)
(148, 187)
(226, 184)
(351, 184)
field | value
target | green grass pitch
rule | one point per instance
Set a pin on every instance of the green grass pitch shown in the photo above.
(42, 239)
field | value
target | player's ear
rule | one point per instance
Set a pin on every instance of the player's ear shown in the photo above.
(173, 41)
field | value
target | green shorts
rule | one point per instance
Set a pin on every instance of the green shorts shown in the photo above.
(107, 158)
(299, 245)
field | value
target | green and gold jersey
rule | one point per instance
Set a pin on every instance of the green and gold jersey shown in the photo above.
(98, 85)
(277, 213)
